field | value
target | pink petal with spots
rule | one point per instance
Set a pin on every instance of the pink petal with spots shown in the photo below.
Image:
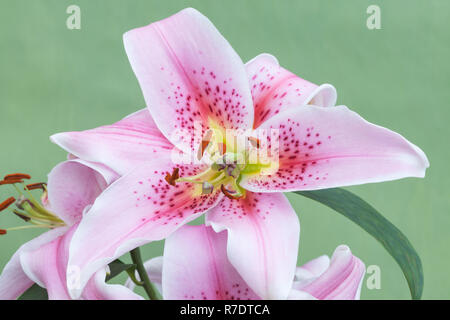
(263, 236)
(138, 208)
(275, 89)
(331, 147)
(196, 267)
(341, 281)
(71, 187)
(189, 73)
(47, 265)
(120, 146)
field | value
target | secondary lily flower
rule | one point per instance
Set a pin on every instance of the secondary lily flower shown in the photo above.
(72, 186)
(191, 77)
(205, 273)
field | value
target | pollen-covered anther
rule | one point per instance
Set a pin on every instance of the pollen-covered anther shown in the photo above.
(10, 181)
(22, 216)
(222, 148)
(204, 144)
(5, 204)
(207, 188)
(23, 201)
(233, 170)
(172, 178)
(202, 149)
(17, 176)
(254, 141)
(34, 186)
(229, 194)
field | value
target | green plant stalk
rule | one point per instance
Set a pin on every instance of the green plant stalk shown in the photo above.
(143, 276)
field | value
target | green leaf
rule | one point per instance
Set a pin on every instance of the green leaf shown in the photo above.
(116, 267)
(35, 292)
(364, 215)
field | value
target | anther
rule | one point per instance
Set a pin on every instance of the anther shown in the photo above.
(172, 178)
(10, 181)
(17, 176)
(21, 216)
(229, 194)
(2, 231)
(34, 186)
(207, 188)
(217, 166)
(222, 148)
(21, 201)
(5, 204)
(232, 170)
(254, 141)
(204, 144)
(201, 151)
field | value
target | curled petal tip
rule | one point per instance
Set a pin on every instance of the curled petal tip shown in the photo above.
(343, 248)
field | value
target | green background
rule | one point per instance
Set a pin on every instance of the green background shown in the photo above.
(53, 79)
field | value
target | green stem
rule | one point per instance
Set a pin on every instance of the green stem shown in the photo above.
(143, 276)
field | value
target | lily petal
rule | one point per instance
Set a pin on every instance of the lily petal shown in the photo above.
(13, 280)
(263, 236)
(71, 187)
(275, 89)
(203, 272)
(331, 147)
(154, 270)
(138, 208)
(98, 289)
(120, 146)
(106, 172)
(310, 271)
(341, 281)
(300, 295)
(47, 265)
(189, 74)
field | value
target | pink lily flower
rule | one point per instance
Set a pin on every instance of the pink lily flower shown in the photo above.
(206, 273)
(72, 186)
(190, 75)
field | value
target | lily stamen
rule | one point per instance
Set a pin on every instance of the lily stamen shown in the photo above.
(5, 204)
(10, 181)
(17, 176)
(254, 141)
(172, 178)
(207, 188)
(39, 185)
(22, 216)
(226, 168)
(27, 207)
(230, 194)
